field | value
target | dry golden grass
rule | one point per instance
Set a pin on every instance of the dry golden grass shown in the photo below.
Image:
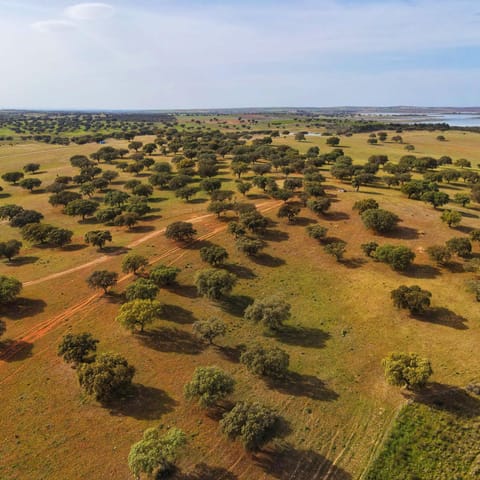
(337, 405)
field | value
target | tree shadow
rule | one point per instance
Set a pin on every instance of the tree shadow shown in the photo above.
(157, 199)
(282, 462)
(304, 221)
(151, 218)
(5, 195)
(355, 262)
(421, 271)
(114, 250)
(447, 397)
(142, 229)
(231, 353)
(267, 260)
(236, 304)
(177, 314)
(189, 291)
(114, 297)
(336, 216)
(20, 261)
(469, 215)
(404, 233)
(257, 196)
(146, 403)
(303, 386)
(15, 351)
(197, 200)
(89, 221)
(74, 247)
(198, 244)
(463, 229)
(444, 316)
(271, 235)
(303, 336)
(22, 308)
(166, 339)
(240, 271)
(202, 471)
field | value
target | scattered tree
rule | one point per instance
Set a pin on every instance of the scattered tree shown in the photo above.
(214, 284)
(413, 299)
(98, 238)
(252, 422)
(214, 255)
(208, 386)
(408, 370)
(141, 289)
(139, 313)
(133, 262)
(108, 378)
(208, 330)
(269, 362)
(102, 279)
(155, 454)
(379, 220)
(180, 231)
(77, 348)
(451, 217)
(9, 289)
(271, 312)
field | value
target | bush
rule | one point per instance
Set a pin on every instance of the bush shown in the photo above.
(102, 279)
(209, 330)
(318, 232)
(369, 248)
(208, 386)
(214, 255)
(439, 254)
(108, 378)
(460, 246)
(163, 276)
(269, 362)
(367, 204)
(139, 313)
(249, 246)
(271, 312)
(180, 231)
(378, 220)
(253, 422)
(407, 370)
(77, 348)
(214, 284)
(398, 257)
(9, 289)
(141, 289)
(156, 453)
(413, 298)
(336, 249)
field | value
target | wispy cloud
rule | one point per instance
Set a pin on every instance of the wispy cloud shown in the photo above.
(47, 26)
(180, 53)
(89, 11)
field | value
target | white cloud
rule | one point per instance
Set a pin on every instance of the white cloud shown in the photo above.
(48, 26)
(89, 11)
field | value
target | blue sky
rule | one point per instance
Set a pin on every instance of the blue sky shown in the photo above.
(153, 54)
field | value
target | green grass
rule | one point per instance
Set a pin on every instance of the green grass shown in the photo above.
(438, 440)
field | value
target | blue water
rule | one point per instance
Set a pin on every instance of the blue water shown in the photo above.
(455, 120)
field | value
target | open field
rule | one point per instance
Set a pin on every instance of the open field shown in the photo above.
(337, 407)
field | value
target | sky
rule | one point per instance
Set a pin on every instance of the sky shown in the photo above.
(185, 54)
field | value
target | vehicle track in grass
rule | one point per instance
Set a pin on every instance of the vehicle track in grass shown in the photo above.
(135, 243)
(28, 337)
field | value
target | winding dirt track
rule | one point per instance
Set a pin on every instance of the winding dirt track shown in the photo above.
(39, 330)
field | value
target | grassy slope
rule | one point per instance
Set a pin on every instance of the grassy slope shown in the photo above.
(338, 405)
(433, 441)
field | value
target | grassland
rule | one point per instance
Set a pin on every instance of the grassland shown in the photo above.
(336, 403)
